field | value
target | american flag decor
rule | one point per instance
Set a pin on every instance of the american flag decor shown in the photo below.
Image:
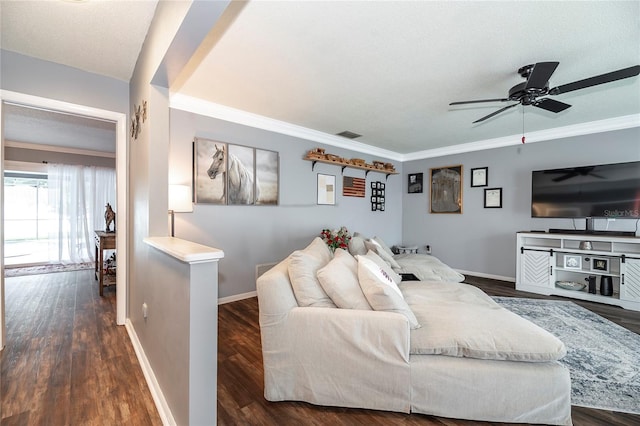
(353, 187)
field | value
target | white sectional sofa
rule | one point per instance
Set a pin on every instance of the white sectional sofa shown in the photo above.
(439, 348)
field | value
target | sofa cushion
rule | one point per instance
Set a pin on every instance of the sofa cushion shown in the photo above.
(339, 279)
(384, 265)
(383, 245)
(303, 270)
(460, 320)
(373, 246)
(356, 244)
(426, 267)
(381, 292)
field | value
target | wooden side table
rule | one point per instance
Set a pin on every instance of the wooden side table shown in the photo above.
(104, 241)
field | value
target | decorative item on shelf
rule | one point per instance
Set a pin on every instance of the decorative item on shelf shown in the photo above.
(357, 162)
(109, 218)
(606, 285)
(570, 285)
(585, 245)
(379, 164)
(316, 153)
(337, 238)
(572, 261)
(600, 264)
(591, 280)
(335, 158)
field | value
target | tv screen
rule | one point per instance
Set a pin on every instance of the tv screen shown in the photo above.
(606, 190)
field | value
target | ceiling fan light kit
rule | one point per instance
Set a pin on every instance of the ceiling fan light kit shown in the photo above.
(536, 86)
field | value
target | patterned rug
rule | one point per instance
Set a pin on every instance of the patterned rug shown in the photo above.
(603, 358)
(46, 269)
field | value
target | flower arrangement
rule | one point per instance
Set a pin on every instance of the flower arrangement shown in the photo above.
(338, 238)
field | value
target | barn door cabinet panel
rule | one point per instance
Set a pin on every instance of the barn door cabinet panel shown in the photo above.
(560, 264)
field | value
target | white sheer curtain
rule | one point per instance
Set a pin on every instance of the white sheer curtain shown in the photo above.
(77, 198)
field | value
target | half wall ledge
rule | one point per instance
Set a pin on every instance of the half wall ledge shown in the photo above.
(185, 251)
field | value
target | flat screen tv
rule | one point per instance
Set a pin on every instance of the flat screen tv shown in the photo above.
(605, 190)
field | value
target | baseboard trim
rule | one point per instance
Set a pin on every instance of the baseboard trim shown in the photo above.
(156, 392)
(490, 276)
(236, 297)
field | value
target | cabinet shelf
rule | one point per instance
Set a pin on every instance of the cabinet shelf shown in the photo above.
(541, 262)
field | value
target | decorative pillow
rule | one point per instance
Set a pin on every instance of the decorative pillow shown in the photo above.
(377, 248)
(339, 279)
(356, 245)
(381, 292)
(303, 269)
(384, 265)
(383, 245)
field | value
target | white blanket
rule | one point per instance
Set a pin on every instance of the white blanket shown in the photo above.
(426, 268)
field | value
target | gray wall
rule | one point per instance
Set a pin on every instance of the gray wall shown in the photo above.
(251, 235)
(24, 74)
(483, 240)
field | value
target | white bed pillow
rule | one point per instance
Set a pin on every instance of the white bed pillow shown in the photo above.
(356, 245)
(384, 246)
(303, 269)
(381, 292)
(339, 279)
(384, 265)
(373, 245)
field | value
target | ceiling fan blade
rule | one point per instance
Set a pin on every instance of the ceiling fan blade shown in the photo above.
(596, 80)
(478, 101)
(495, 113)
(551, 105)
(540, 74)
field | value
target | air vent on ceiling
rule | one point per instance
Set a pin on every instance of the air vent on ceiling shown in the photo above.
(349, 135)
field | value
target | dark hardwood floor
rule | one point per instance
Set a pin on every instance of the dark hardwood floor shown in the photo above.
(67, 364)
(65, 361)
(240, 375)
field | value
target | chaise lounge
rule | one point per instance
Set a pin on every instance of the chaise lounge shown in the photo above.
(335, 332)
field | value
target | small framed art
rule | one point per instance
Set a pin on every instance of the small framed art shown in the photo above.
(572, 261)
(493, 198)
(415, 183)
(599, 264)
(479, 177)
(326, 189)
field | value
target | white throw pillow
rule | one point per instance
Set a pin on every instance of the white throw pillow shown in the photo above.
(339, 279)
(381, 292)
(377, 248)
(384, 246)
(384, 265)
(303, 269)
(356, 245)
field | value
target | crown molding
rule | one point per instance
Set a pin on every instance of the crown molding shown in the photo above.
(611, 124)
(210, 109)
(222, 112)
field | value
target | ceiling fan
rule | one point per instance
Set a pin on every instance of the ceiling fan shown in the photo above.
(531, 92)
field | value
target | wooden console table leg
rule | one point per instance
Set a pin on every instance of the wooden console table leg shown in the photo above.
(101, 271)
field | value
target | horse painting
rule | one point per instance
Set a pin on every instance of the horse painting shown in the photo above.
(239, 180)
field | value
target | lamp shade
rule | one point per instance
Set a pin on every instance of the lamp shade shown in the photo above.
(180, 198)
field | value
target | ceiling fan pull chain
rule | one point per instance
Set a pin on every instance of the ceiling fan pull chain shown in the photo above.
(522, 123)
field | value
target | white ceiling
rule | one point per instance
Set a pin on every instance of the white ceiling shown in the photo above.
(383, 69)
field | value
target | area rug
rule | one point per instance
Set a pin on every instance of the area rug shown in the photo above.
(46, 269)
(603, 358)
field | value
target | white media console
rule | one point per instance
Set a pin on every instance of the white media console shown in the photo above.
(544, 259)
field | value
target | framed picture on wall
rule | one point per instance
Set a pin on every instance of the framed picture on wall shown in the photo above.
(414, 183)
(493, 198)
(446, 189)
(326, 189)
(479, 177)
(599, 264)
(225, 173)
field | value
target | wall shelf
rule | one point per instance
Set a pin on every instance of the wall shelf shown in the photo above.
(344, 164)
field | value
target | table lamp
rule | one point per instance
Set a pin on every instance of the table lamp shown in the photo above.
(179, 201)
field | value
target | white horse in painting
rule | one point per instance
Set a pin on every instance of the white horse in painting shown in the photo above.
(239, 181)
